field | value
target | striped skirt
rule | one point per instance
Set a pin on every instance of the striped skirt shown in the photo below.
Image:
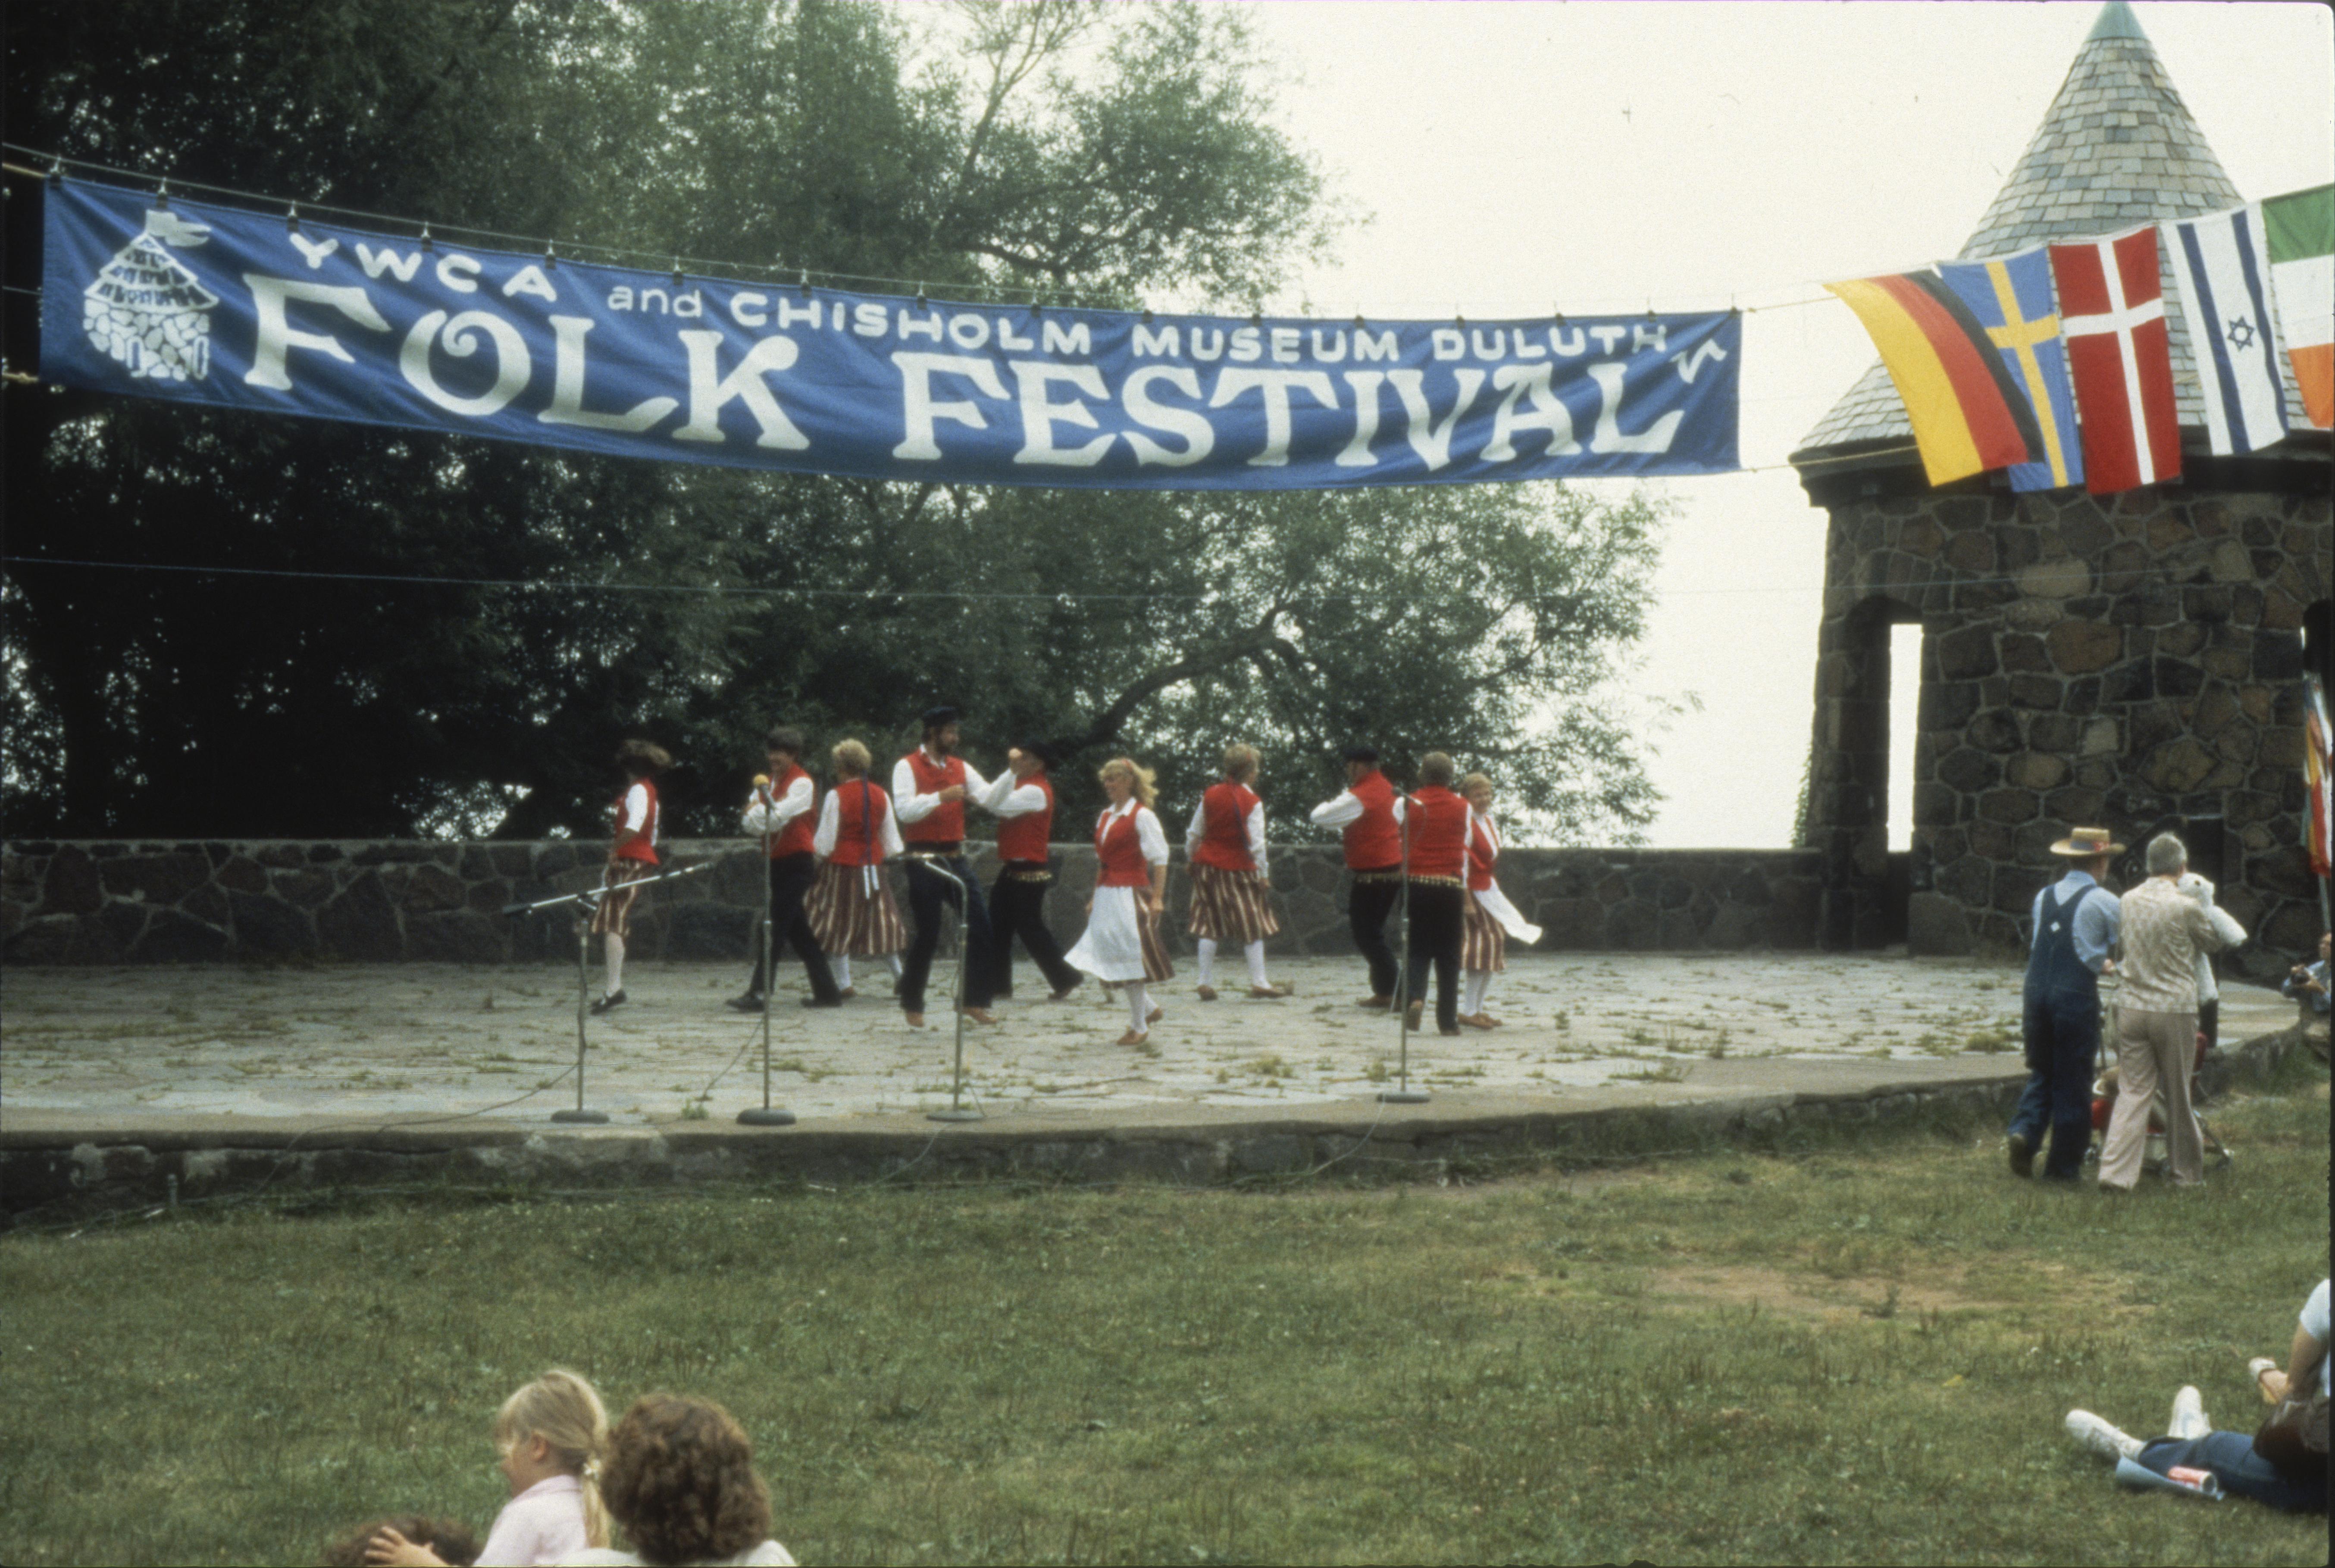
(1231, 906)
(849, 920)
(1483, 945)
(614, 915)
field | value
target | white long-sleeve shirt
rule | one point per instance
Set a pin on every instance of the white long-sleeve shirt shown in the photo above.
(1343, 807)
(1005, 797)
(910, 807)
(1255, 826)
(822, 838)
(773, 817)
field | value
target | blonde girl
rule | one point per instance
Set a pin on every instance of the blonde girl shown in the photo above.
(1121, 945)
(553, 1436)
(1489, 919)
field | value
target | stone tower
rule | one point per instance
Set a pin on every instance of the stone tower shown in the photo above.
(2127, 660)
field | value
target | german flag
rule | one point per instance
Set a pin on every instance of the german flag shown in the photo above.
(1968, 414)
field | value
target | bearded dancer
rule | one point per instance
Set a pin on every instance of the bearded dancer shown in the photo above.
(929, 787)
(1121, 945)
(1370, 814)
(852, 914)
(1023, 797)
(1232, 887)
(632, 859)
(780, 809)
(1489, 919)
(1438, 823)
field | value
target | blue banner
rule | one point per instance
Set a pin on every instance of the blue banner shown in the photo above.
(214, 304)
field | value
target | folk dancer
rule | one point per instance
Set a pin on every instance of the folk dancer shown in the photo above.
(1437, 824)
(1232, 882)
(929, 787)
(852, 915)
(1022, 797)
(781, 810)
(632, 858)
(1489, 918)
(1121, 945)
(1369, 813)
(2076, 921)
(2166, 930)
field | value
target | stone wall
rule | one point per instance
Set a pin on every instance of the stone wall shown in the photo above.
(2109, 662)
(153, 903)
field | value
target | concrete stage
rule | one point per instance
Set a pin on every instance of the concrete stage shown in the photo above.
(121, 1078)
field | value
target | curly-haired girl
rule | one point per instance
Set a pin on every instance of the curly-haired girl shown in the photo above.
(680, 1481)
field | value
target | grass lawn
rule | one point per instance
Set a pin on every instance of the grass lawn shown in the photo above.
(1853, 1353)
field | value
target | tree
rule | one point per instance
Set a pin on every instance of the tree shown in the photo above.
(1067, 150)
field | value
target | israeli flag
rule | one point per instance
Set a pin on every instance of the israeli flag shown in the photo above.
(2223, 275)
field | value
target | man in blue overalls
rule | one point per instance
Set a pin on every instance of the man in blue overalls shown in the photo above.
(2076, 922)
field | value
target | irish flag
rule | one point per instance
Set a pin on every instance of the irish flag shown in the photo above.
(2300, 230)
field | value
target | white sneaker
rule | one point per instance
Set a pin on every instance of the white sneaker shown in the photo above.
(2188, 1415)
(2101, 1437)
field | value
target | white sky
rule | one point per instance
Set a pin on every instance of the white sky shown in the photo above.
(1519, 157)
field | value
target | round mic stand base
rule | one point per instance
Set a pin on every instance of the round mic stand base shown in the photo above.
(591, 1117)
(1403, 1097)
(954, 1113)
(766, 1116)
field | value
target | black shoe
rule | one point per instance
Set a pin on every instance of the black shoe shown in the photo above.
(822, 1002)
(752, 1001)
(2022, 1155)
(608, 1004)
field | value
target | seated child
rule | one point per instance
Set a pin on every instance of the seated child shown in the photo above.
(551, 1434)
(680, 1480)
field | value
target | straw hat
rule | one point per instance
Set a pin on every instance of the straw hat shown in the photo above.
(2083, 843)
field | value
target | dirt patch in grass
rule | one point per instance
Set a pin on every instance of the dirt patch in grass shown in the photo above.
(1817, 1297)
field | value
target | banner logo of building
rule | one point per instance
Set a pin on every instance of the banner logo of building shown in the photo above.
(147, 311)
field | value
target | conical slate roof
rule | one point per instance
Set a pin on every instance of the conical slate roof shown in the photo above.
(2116, 148)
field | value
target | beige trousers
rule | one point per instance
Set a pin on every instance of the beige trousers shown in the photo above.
(2153, 1054)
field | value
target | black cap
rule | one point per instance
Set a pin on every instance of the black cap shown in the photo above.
(1362, 752)
(944, 714)
(1041, 750)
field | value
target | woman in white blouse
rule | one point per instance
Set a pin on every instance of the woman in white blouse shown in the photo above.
(1121, 945)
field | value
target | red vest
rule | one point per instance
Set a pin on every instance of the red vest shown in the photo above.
(794, 839)
(1119, 852)
(860, 808)
(645, 846)
(1223, 828)
(1482, 854)
(1439, 833)
(946, 823)
(1022, 840)
(1373, 842)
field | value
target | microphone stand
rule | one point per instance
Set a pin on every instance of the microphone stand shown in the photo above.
(766, 1114)
(587, 904)
(956, 1110)
(1402, 1093)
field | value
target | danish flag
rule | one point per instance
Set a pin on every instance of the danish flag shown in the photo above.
(2112, 313)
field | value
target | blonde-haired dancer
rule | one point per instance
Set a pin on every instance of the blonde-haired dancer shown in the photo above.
(1121, 945)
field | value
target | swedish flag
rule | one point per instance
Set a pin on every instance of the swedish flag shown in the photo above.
(2011, 297)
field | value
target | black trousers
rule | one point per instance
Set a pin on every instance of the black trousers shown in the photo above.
(1368, 906)
(1438, 920)
(791, 879)
(928, 893)
(1019, 909)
